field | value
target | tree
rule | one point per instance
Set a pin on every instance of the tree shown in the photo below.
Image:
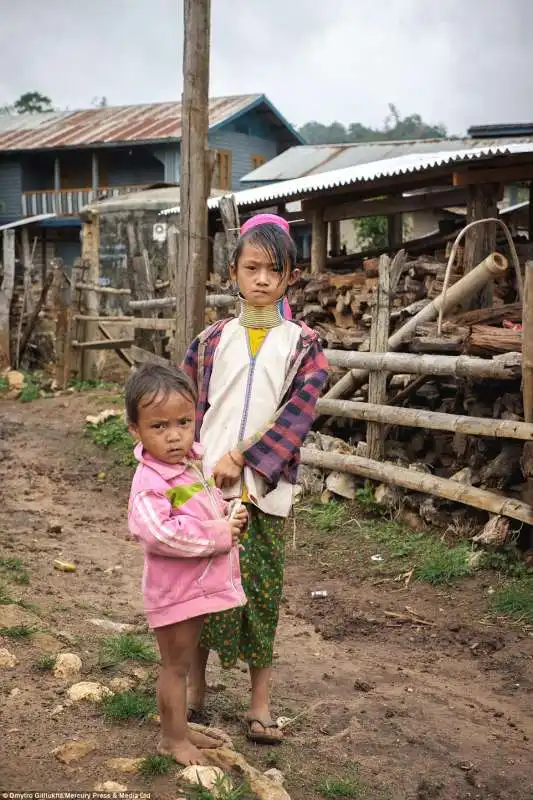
(99, 102)
(395, 128)
(32, 103)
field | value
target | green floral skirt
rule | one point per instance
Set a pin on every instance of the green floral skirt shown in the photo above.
(248, 633)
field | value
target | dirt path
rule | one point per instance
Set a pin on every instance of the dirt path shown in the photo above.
(437, 711)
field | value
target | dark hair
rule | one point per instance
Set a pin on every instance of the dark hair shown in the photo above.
(152, 379)
(274, 241)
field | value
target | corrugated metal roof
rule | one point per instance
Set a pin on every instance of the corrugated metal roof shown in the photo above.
(112, 125)
(20, 223)
(296, 162)
(363, 173)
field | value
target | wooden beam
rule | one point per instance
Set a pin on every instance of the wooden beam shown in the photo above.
(383, 206)
(379, 338)
(194, 170)
(530, 213)
(414, 364)
(120, 353)
(90, 253)
(6, 295)
(92, 287)
(395, 231)
(335, 238)
(319, 242)
(481, 239)
(211, 301)
(107, 344)
(419, 482)
(144, 323)
(501, 175)
(142, 356)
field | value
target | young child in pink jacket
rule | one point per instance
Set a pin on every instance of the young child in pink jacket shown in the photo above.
(190, 543)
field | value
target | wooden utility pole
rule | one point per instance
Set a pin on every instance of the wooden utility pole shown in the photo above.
(194, 170)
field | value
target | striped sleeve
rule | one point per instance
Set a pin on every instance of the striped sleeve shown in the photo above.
(270, 450)
(175, 536)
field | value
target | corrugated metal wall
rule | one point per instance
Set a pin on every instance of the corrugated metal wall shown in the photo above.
(10, 191)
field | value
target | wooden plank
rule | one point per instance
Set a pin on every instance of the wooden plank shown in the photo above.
(379, 338)
(419, 482)
(194, 173)
(120, 353)
(91, 256)
(6, 295)
(384, 206)
(501, 175)
(211, 301)
(141, 356)
(144, 323)
(110, 344)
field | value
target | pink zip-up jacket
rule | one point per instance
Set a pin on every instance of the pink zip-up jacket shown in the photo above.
(190, 567)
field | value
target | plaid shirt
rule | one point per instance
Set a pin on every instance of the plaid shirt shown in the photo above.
(273, 451)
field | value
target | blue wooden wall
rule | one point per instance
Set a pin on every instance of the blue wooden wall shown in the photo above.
(10, 190)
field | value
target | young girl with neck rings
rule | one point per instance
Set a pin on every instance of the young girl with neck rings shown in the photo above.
(258, 379)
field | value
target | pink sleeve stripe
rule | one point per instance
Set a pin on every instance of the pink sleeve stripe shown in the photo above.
(165, 533)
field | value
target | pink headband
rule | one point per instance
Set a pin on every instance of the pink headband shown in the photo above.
(265, 219)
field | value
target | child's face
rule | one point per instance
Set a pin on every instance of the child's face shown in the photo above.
(258, 281)
(166, 426)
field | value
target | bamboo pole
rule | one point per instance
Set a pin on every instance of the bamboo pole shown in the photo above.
(379, 337)
(211, 301)
(419, 482)
(421, 418)
(91, 255)
(417, 364)
(492, 266)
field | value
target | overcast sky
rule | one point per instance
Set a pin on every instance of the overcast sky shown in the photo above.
(459, 62)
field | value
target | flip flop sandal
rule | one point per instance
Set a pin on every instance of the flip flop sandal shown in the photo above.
(262, 737)
(198, 716)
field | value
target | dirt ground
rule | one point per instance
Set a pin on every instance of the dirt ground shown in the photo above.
(403, 711)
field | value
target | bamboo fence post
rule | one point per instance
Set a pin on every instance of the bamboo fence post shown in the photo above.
(494, 265)
(527, 376)
(422, 418)
(379, 338)
(387, 472)
(91, 255)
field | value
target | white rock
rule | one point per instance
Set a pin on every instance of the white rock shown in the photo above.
(15, 692)
(7, 660)
(113, 627)
(67, 666)
(88, 690)
(122, 684)
(127, 765)
(74, 750)
(110, 786)
(208, 777)
(275, 775)
(342, 485)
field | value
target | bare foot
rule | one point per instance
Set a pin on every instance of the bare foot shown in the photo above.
(196, 697)
(183, 751)
(266, 732)
(202, 741)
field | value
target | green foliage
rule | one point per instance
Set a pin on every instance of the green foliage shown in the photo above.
(347, 787)
(45, 663)
(443, 564)
(156, 765)
(30, 391)
(130, 705)
(17, 632)
(222, 790)
(325, 517)
(88, 385)
(515, 599)
(113, 434)
(32, 103)
(126, 647)
(4, 385)
(16, 569)
(372, 232)
(395, 128)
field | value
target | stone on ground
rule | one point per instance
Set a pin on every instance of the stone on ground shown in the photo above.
(88, 690)
(209, 778)
(261, 785)
(67, 666)
(74, 750)
(8, 660)
(110, 786)
(13, 616)
(127, 765)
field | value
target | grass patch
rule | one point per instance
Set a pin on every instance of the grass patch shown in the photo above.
(130, 705)
(5, 597)
(89, 385)
(17, 632)
(113, 435)
(29, 606)
(31, 390)
(156, 765)
(515, 599)
(45, 663)
(4, 385)
(326, 517)
(16, 568)
(126, 647)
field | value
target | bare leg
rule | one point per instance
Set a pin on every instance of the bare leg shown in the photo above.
(177, 644)
(260, 705)
(197, 681)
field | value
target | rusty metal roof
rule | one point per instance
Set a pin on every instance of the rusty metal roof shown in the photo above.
(112, 125)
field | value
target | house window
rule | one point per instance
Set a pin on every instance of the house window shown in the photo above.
(257, 161)
(222, 179)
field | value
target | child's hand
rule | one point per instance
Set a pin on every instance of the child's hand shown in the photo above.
(228, 470)
(241, 516)
(236, 529)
